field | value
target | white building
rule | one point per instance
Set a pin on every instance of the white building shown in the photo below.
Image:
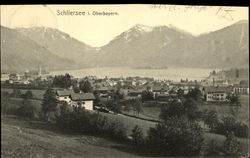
(82, 99)
(4, 77)
(64, 95)
(76, 99)
(215, 94)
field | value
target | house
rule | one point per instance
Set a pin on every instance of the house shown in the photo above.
(241, 88)
(64, 95)
(76, 99)
(83, 100)
(135, 93)
(4, 77)
(159, 90)
(215, 94)
(166, 97)
(103, 90)
(14, 77)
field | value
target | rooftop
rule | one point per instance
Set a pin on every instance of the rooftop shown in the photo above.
(217, 89)
(63, 92)
(82, 96)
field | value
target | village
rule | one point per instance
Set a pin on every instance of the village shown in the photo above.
(137, 102)
(214, 88)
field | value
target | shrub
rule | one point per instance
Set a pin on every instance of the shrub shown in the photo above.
(210, 118)
(137, 136)
(26, 110)
(82, 121)
(117, 130)
(213, 148)
(49, 104)
(176, 137)
(231, 145)
(229, 124)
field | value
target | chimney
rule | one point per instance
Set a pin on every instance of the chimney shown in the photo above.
(213, 81)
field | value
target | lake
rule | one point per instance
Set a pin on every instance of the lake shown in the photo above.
(174, 74)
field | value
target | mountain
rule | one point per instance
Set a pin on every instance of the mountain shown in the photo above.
(141, 46)
(225, 48)
(62, 44)
(20, 53)
(168, 46)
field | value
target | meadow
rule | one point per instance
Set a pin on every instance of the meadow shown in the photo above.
(22, 136)
(222, 110)
(26, 139)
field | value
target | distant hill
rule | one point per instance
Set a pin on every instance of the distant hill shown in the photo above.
(171, 47)
(140, 46)
(20, 53)
(62, 44)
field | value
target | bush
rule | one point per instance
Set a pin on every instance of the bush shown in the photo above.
(210, 118)
(16, 93)
(229, 124)
(137, 136)
(82, 121)
(26, 110)
(213, 149)
(117, 130)
(176, 137)
(231, 145)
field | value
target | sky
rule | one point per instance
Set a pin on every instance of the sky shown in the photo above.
(97, 30)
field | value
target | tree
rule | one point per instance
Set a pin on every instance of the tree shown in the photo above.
(97, 98)
(211, 119)
(175, 137)
(76, 89)
(28, 94)
(212, 148)
(117, 95)
(16, 93)
(26, 110)
(114, 106)
(147, 95)
(62, 81)
(5, 100)
(137, 106)
(191, 109)
(64, 108)
(85, 86)
(194, 93)
(180, 92)
(235, 101)
(231, 145)
(173, 109)
(128, 106)
(49, 103)
(137, 136)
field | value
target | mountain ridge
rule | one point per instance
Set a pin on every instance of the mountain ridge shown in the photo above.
(140, 45)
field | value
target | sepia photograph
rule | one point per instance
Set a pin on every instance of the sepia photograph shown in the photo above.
(124, 81)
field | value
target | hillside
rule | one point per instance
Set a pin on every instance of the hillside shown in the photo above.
(19, 53)
(62, 44)
(35, 139)
(172, 47)
(140, 46)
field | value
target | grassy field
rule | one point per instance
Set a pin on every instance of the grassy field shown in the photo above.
(222, 110)
(36, 139)
(145, 125)
(26, 139)
(37, 94)
(130, 122)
